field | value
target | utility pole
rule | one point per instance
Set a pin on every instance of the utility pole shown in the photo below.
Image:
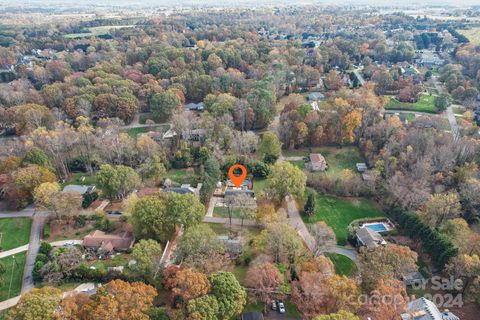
(11, 277)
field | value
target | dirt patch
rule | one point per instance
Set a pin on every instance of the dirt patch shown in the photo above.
(60, 230)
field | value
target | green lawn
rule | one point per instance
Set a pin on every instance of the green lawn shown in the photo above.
(17, 277)
(95, 31)
(15, 232)
(425, 104)
(240, 272)
(180, 176)
(259, 185)
(89, 180)
(339, 212)
(338, 158)
(298, 163)
(223, 212)
(344, 266)
(134, 132)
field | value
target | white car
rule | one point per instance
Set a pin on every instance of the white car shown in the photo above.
(281, 307)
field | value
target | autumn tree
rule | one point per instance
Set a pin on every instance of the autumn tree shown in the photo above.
(280, 241)
(324, 237)
(441, 207)
(230, 294)
(388, 262)
(66, 204)
(341, 315)
(285, 179)
(270, 147)
(391, 302)
(44, 194)
(32, 176)
(185, 285)
(320, 293)
(266, 213)
(37, 304)
(121, 300)
(265, 280)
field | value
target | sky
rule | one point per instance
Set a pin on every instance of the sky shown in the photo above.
(235, 2)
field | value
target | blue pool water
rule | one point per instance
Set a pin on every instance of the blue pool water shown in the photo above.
(379, 227)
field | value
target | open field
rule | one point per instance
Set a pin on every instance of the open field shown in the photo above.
(96, 31)
(339, 212)
(15, 232)
(89, 180)
(473, 35)
(16, 276)
(425, 104)
(338, 158)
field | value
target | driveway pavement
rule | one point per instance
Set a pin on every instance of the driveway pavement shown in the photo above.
(296, 221)
(35, 234)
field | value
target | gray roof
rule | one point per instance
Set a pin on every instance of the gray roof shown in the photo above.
(369, 237)
(179, 190)
(316, 96)
(234, 193)
(78, 188)
(424, 309)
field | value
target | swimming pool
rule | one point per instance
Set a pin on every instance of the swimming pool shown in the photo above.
(379, 227)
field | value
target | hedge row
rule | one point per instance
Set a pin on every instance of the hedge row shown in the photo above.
(439, 247)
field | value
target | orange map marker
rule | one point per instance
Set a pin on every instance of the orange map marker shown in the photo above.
(237, 180)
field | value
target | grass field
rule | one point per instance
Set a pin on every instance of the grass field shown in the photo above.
(259, 185)
(425, 104)
(344, 266)
(337, 158)
(134, 132)
(179, 176)
(223, 212)
(96, 31)
(473, 35)
(89, 180)
(15, 232)
(339, 212)
(17, 275)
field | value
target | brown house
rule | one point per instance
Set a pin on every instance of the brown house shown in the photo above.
(109, 242)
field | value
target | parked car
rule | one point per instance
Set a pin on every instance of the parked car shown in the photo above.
(281, 307)
(274, 306)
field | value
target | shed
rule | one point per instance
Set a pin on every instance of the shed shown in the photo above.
(317, 162)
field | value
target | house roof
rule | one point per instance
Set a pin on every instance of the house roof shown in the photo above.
(318, 162)
(181, 190)
(369, 237)
(316, 96)
(109, 241)
(78, 188)
(424, 309)
(237, 192)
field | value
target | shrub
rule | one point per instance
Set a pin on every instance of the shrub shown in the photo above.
(45, 248)
(80, 221)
